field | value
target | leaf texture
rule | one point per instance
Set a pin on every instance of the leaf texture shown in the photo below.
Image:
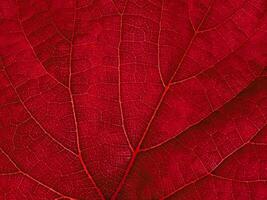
(133, 99)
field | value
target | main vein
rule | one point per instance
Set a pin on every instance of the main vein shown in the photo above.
(166, 89)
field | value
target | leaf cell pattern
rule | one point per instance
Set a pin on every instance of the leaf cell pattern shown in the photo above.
(133, 99)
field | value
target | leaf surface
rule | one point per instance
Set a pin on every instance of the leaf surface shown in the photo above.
(133, 99)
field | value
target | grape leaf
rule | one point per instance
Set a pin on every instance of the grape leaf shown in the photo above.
(133, 99)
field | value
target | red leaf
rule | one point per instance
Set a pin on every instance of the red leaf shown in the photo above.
(133, 99)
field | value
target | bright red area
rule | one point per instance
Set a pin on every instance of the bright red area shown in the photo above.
(133, 99)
